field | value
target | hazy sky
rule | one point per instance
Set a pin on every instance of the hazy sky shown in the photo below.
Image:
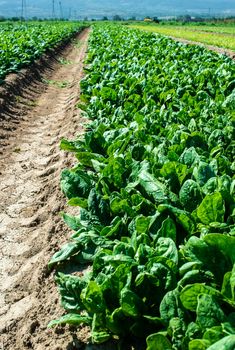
(96, 8)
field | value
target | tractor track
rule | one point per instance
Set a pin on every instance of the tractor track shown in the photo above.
(31, 230)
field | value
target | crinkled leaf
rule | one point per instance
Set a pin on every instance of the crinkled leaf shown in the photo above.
(189, 294)
(211, 209)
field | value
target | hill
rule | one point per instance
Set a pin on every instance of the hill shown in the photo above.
(125, 8)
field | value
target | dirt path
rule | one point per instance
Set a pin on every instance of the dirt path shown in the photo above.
(31, 229)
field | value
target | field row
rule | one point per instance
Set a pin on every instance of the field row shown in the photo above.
(221, 37)
(21, 44)
(155, 186)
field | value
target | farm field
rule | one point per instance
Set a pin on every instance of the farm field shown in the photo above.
(144, 258)
(21, 44)
(155, 186)
(223, 37)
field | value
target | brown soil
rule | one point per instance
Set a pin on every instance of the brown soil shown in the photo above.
(31, 230)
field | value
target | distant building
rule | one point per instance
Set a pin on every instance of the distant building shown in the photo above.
(148, 19)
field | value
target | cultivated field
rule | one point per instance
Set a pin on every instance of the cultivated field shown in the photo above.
(144, 257)
(222, 37)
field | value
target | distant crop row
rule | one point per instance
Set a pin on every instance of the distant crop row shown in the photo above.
(224, 38)
(155, 184)
(22, 44)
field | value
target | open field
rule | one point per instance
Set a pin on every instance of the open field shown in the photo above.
(223, 37)
(137, 132)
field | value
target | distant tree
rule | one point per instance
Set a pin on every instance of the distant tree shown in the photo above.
(156, 20)
(117, 18)
(133, 18)
(184, 19)
(34, 18)
(86, 18)
(105, 18)
(2, 19)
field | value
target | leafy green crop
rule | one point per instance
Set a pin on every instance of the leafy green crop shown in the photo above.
(21, 44)
(155, 185)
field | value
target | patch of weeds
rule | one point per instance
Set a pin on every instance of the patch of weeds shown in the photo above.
(77, 43)
(64, 61)
(17, 150)
(19, 99)
(31, 103)
(60, 84)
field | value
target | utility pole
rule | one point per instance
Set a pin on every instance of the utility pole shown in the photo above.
(61, 12)
(53, 9)
(23, 10)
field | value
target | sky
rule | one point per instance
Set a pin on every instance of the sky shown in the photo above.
(125, 8)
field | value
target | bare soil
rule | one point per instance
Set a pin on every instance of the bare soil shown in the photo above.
(32, 123)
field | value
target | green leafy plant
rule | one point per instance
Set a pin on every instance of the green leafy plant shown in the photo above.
(155, 186)
(21, 44)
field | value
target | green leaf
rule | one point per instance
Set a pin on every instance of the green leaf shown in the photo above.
(211, 209)
(130, 303)
(100, 337)
(75, 183)
(182, 217)
(170, 306)
(175, 173)
(87, 158)
(226, 343)
(209, 312)
(232, 282)
(142, 224)
(72, 221)
(202, 173)
(213, 334)
(78, 202)
(189, 295)
(73, 319)
(168, 229)
(117, 322)
(65, 252)
(199, 344)
(68, 145)
(113, 229)
(190, 195)
(158, 342)
(92, 297)
(153, 187)
(166, 247)
(70, 288)
(222, 243)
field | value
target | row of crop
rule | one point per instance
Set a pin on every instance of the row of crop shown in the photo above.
(21, 44)
(155, 184)
(224, 38)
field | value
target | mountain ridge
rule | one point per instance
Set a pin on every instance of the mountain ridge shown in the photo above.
(124, 8)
